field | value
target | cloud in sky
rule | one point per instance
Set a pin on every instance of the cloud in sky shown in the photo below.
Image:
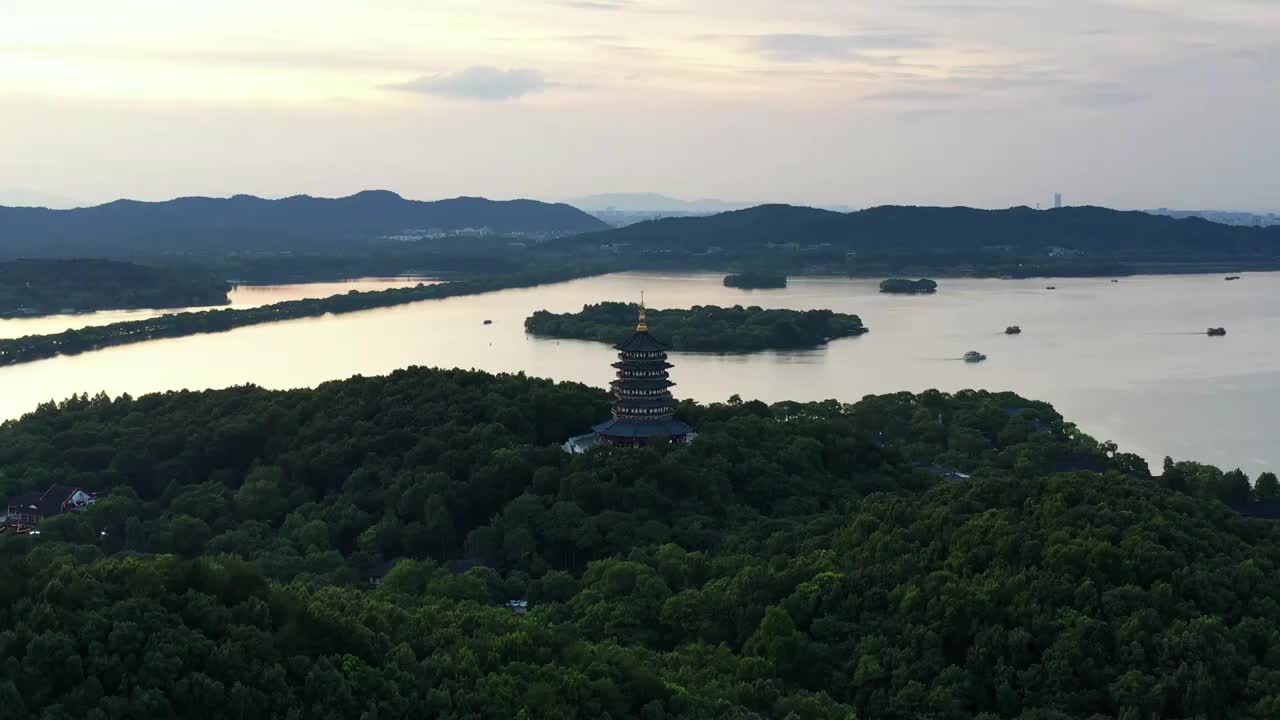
(480, 82)
(912, 95)
(660, 94)
(599, 4)
(798, 47)
(1102, 95)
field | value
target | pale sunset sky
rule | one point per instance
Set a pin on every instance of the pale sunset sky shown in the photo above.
(990, 103)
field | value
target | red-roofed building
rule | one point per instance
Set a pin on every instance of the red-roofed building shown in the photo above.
(29, 509)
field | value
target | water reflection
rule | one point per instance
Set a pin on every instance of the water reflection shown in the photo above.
(241, 296)
(1126, 361)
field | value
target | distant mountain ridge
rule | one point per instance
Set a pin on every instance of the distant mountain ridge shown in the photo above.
(653, 202)
(933, 231)
(246, 222)
(1226, 217)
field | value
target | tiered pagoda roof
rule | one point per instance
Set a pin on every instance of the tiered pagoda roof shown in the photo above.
(643, 409)
(642, 341)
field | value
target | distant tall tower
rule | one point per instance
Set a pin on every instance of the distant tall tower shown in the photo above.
(1057, 201)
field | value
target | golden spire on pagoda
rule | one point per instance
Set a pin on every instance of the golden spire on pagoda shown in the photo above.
(643, 325)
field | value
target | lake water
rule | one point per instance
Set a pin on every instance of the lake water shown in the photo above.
(241, 296)
(1125, 361)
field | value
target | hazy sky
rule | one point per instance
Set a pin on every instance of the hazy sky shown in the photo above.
(1128, 103)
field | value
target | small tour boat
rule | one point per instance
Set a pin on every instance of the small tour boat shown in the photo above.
(1216, 332)
(1051, 287)
(1232, 277)
(488, 322)
(974, 356)
(1013, 330)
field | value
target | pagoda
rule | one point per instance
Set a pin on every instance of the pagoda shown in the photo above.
(643, 409)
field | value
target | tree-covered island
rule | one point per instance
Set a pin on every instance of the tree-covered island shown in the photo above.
(363, 550)
(43, 287)
(70, 342)
(756, 280)
(702, 328)
(904, 286)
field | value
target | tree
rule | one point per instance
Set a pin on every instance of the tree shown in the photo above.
(11, 699)
(439, 524)
(1267, 487)
(261, 497)
(778, 640)
(189, 535)
(1235, 487)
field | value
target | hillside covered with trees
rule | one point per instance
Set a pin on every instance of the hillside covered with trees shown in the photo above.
(40, 287)
(894, 239)
(909, 556)
(202, 225)
(378, 232)
(702, 328)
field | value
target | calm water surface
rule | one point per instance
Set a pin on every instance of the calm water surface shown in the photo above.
(241, 296)
(1126, 361)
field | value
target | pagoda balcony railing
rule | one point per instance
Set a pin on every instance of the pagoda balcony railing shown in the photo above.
(642, 373)
(645, 413)
(643, 365)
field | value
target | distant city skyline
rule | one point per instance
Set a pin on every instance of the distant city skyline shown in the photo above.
(987, 103)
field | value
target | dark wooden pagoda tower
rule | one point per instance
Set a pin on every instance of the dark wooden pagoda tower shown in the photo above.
(643, 409)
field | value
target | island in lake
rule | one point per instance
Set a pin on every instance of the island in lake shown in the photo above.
(702, 328)
(45, 287)
(902, 286)
(756, 280)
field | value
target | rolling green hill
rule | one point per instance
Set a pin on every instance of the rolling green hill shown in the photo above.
(1090, 239)
(349, 551)
(246, 223)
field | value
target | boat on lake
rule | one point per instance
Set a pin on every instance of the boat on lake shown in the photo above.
(974, 356)
(1232, 277)
(1013, 330)
(1051, 287)
(488, 322)
(1216, 332)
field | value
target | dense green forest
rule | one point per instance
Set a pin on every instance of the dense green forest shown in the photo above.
(800, 560)
(895, 240)
(244, 223)
(304, 238)
(40, 287)
(922, 286)
(70, 342)
(702, 328)
(756, 280)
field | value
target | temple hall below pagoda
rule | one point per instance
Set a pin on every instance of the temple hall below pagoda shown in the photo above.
(643, 408)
